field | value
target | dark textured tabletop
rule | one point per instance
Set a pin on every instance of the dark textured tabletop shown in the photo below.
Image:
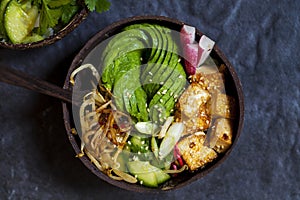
(262, 41)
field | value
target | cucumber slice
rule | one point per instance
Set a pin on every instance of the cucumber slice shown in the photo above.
(3, 5)
(161, 176)
(147, 174)
(32, 38)
(19, 22)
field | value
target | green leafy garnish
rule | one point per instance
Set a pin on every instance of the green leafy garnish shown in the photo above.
(52, 15)
(48, 17)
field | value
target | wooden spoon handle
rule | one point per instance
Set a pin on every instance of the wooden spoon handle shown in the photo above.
(18, 78)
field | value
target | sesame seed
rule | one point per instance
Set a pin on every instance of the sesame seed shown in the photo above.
(139, 152)
(146, 148)
(143, 142)
(161, 83)
(161, 100)
(129, 142)
(148, 110)
(180, 76)
(179, 60)
(159, 93)
(135, 176)
(141, 182)
(150, 73)
(164, 91)
(150, 80)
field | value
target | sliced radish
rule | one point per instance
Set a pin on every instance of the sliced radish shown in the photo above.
(191, 58)
(190, 48)
(187, 34)
(205, 47)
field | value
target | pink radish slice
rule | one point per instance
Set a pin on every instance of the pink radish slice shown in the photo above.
(187, 34)
(190, 48)
(205, 47)
(191, 58)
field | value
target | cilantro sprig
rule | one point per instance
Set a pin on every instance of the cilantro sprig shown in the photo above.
(55, 11)
(98, 5)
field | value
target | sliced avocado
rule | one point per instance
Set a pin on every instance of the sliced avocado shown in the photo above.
(154, 85)
(164, 70)
(19, 22)
(151, 62)
(152, 36)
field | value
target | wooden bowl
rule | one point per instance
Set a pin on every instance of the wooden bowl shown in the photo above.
(74, 23)
(233, 87)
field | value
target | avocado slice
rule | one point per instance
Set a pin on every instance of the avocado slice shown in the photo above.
(154, 59)
(164, 69)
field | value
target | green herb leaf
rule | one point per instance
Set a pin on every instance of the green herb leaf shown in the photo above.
(98, 5)
(68, 12)
(58, 3)
(48, 17)
(102, 5)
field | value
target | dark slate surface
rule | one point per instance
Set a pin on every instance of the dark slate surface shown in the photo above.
(260, 38)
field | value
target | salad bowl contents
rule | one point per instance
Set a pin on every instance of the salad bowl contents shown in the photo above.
(35, 23)
(163, 107)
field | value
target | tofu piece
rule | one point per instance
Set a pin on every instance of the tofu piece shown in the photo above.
(193, 107)
(212, 81)
(200, 122)
(223, 106)
(215, 82)
(194, 153)
(192, 99)
(222, 130)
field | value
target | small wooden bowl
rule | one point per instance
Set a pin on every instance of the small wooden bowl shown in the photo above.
(76, 20)
(233, 87)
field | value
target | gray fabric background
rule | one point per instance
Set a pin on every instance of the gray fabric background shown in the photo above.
(261, 40)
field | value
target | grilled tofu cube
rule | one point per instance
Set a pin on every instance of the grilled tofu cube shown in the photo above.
(193, 107)
(223, 106)
(194, 153)
(210, 78)
(192, 100)
(215, 82)
(222, 130)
